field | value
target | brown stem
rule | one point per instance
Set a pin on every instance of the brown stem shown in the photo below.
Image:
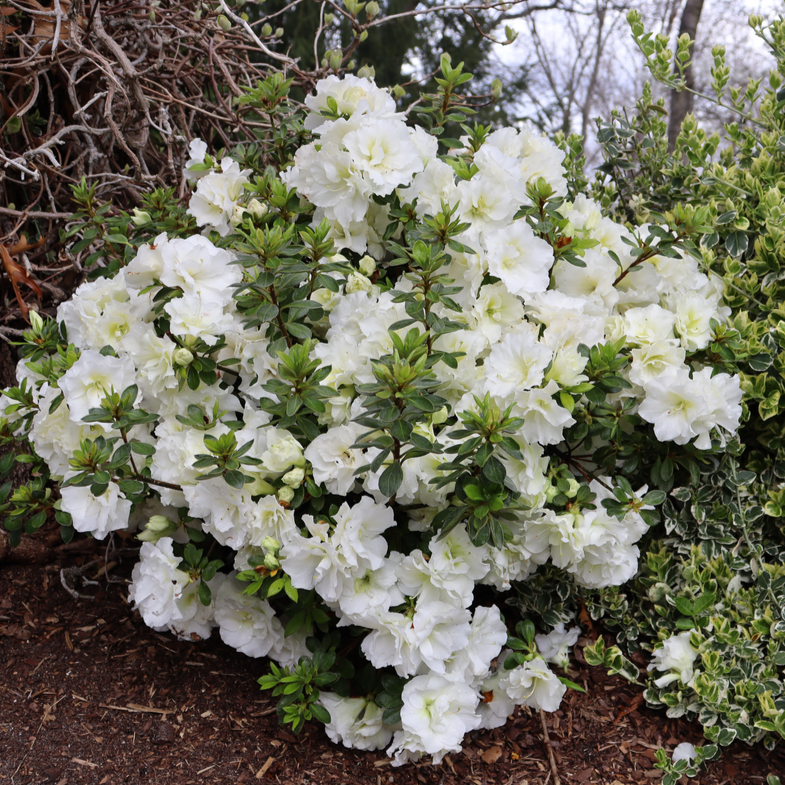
(546, 740)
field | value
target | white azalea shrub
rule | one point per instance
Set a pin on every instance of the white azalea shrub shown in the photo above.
(381, 387)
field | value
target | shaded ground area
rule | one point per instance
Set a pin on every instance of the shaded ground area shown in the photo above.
(89, 694)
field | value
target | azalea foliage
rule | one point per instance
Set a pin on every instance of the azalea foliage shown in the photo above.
(370, 385)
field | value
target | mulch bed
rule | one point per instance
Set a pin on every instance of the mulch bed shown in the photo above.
(89, 694)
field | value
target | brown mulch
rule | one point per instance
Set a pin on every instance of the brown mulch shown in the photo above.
(89, 694)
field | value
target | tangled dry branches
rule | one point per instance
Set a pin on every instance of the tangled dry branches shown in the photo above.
(113, 90)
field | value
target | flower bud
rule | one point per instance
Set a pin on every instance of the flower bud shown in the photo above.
(271, 561)
(158, 526)
(335, 60)
(329, 19)
(182, 356)
(510, 34)
(572, 492)
(398, 91)
(367, 71)
(371, 9)
(551, 492)
(237, 215)
(278, 32)
(224, 23)
(36, 322)
(327, 299)
(257, 208)
(294, 477)
(259, 487)
(363, 36)
(285, 494)
(367, 265)
(267, 30)
(357, 282)
(496, 88)
(271, 545)
(440, 416)
(140, 217)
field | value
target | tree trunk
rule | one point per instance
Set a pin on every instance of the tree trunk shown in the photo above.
(682, 102)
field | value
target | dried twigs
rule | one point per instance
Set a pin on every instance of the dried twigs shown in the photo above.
(546, 740)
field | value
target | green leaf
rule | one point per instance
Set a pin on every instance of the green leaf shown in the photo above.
(320, 713)
(391, 479)
(141, 448)
(205, 595)
(235, 479)
(494, 470)
(736, 243)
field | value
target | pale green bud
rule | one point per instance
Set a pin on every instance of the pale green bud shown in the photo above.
(496, 88)
(510, 34)
(140, 217)
(446, 57)
(327, 299)
(267, 30)
(350, 65)
(182, 356)
(363, 36)
(572, 492)
(551, 492)
(271, 561)
(224, 23)
(398, 91)
(278, 32)
(36, 322)
(371, 9)
(329, 19)
(294, 477)
(335, 60)
(158, 526)
(152, 15)
(357, 282)
(286, 494)
(367, 265)
(259, 487)
(237, 215)
(441, 416)
(257, 209)
(271, 545)
(367, 71)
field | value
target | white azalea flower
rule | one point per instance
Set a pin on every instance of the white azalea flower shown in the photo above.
(676, 659)
(97, 515)
(436, 715)
(157, 583)
(356, 722)
(534, 684)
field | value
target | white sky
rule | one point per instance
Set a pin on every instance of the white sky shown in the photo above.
(722, 22)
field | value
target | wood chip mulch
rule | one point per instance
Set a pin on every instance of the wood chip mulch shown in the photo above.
(89, 694)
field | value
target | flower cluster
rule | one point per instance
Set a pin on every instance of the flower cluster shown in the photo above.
(365, 439)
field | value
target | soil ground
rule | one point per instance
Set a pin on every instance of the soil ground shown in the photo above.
(89, 695)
